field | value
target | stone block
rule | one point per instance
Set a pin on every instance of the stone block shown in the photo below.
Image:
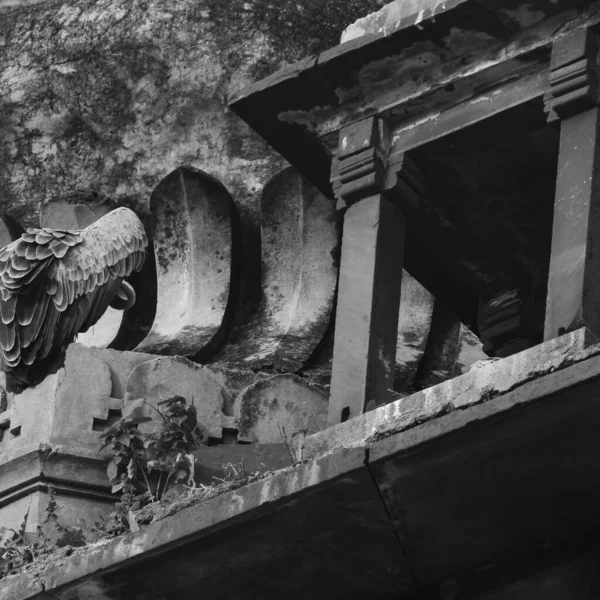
(193, 245)
(67, 408)
(175, 376)
(280, 405)
(50, 434)
(492, 379)
(120, 365)
(300, 237)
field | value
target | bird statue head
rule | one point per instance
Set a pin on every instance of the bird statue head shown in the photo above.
(57, 283)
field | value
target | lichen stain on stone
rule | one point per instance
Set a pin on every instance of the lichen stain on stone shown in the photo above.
(149, 84)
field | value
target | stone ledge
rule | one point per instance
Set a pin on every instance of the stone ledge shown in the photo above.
(538, 409)
(481, 384)
(397, 15)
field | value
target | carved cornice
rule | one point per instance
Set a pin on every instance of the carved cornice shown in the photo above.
(364, 167)
(573, 75)
(359, 170)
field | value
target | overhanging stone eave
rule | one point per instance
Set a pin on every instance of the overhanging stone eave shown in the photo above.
(502, 461)
(299, 109)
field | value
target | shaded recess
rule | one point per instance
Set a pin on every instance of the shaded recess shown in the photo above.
(194, 227)
(10, 230)
(494, 181)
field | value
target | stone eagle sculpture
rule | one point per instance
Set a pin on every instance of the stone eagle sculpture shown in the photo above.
(56, 283)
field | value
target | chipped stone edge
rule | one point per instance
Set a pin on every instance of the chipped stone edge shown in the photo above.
(490, 389)
(479, 385)
(390, 18)
(192, 522)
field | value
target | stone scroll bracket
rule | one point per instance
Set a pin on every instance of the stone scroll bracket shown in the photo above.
(300, 238)
(573, 298)
(194, 230)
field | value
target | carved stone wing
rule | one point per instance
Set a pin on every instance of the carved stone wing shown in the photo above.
(56, 283)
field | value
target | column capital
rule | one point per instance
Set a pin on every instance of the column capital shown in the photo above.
(358, 171)
(366, 164)
(573, 75)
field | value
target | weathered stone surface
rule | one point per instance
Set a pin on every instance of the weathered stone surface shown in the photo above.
(452, 348)
(573, 287)
(83, 396)
(120, 364)
(67, 408)
(82, 490)
(430, 488)
(367, 308)
(71, 212)
(470, 350)
(115, 96)
(300, 238)
(51, 433)
(478, 385)
(279, 406)
(396, 15)
(335, 501)
(192, 215)
(414, 323)
(224, 461)
(175, 376)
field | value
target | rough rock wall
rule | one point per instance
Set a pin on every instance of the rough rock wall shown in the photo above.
(114, 94)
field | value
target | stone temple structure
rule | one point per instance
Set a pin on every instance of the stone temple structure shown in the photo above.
(384, 301)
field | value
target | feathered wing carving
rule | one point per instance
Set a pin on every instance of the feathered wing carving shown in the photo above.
(56, 283)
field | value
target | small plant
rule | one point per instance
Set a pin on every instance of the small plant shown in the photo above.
(19, 547)
(234, 473)
(67, 536)
(294, 451)
(162, 445)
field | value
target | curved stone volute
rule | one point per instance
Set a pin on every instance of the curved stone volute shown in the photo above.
(300, 238)
(192, 216)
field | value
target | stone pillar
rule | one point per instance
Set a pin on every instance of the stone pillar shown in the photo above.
(573, 297)
(370, 276)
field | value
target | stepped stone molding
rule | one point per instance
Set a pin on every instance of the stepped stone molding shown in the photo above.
(573, 75)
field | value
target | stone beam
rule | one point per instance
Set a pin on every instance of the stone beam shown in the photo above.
(573, 285)
(370, 276)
